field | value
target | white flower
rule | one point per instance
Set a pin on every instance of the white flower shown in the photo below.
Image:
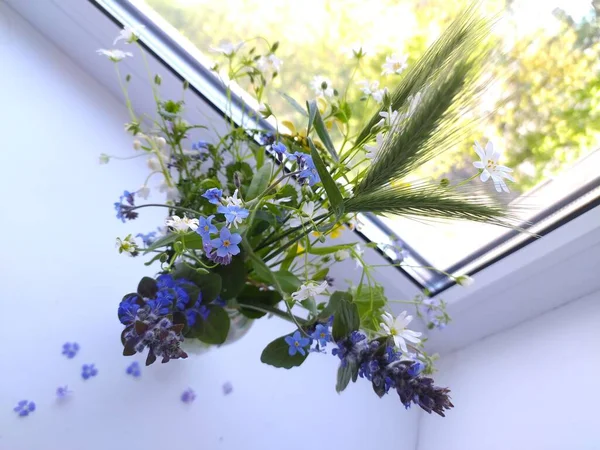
(143, 192)
(161, 142)
(388, 118)
(269, 64)
(357, 255)
(464, 280)
(181, 224)
(491, 168)
(371, 88)
(137, 144)
(341, 255)
(394, 64)
(233, 200)
(310, 289)
(115, 55)
(127, 245)
(154, 165)
(279, 201)
(379, 94)
(103, 158)
(227, 48)
(305, 215)
(396, 328)
(171, 191)
(372, 150)
(129, 34)
(322, 86)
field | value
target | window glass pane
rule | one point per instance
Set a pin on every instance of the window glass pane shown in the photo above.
(543, 113)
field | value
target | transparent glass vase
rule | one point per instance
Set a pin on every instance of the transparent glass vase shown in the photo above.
(239, 326)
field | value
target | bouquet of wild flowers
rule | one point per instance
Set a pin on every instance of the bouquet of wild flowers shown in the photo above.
(249, 214)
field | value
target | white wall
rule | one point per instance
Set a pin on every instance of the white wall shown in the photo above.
(532, 387)
(62, 279)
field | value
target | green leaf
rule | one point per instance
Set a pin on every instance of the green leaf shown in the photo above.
(147, 287)
(334, 303)
(214, 329)
(290, 255)
(252, 295)
(333, 193)
(320, 128)
(344, 113)
(312, 113)
(287, 280)
(192, 240)
(345, 374)
(370, 302)
(260, 182)
(321, 274)
(310, 305)
(294, 104)
(243, 168)
(233, 277)
(288, 191)
(330, 249)
(276, 354)
(162, 242)
(259, 156)
(210, 285)
(345, 319)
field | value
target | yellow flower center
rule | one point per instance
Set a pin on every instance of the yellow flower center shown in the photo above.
(297, 344)
(226, 243)
(491, 164)
(323, 335)
(393, 331)
(205, 227)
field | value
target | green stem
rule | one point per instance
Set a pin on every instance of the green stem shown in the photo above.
(275, 311)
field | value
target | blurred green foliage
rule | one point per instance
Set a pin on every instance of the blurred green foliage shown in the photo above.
(544, 111)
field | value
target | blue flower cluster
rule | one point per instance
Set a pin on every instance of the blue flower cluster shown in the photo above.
(70, 349)
(155, 316)
(306, 167)
(24, 407)
(308, 171)
(221, 249)
(134, 369)
(88, 371)
(125, 210)
(319, 333)
(382, 365)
